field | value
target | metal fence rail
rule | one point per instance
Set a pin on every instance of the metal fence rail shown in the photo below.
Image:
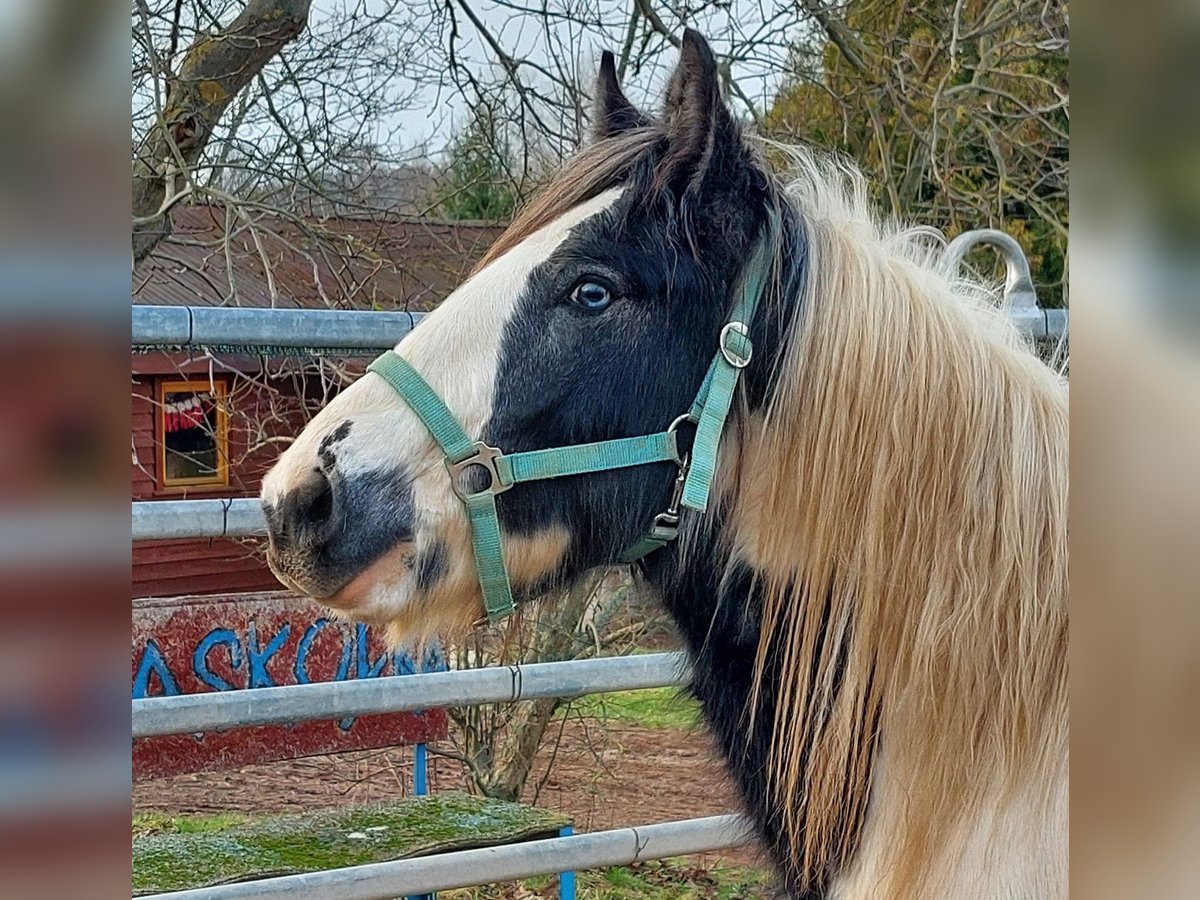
(193, 713)
(160, 520)
(1039, 323)
(380, 881)
(216, 326)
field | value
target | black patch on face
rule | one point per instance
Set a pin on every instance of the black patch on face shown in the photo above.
(567, 375)
(339, 434)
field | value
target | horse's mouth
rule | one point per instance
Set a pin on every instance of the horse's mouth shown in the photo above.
(358, 593)
(286, 580)
(377, 592)
(283, 570)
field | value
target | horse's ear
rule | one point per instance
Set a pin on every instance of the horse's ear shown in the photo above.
(613, 113)
(701, 134)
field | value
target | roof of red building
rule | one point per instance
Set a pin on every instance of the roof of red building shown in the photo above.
(215, 259)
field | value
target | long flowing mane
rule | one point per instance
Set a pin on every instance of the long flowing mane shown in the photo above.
(903, 501)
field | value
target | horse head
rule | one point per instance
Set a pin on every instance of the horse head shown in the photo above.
(593, 317)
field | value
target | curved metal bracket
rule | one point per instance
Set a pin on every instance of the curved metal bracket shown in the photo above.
(1018, 283)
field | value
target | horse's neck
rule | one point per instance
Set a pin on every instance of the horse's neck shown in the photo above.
(716, 621)
(969, 833)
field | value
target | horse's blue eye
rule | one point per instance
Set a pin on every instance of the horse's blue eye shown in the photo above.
(591, 295)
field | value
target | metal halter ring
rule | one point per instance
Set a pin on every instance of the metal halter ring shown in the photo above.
(484, 458)
(679, 420)
(684, 459)
(731, 356)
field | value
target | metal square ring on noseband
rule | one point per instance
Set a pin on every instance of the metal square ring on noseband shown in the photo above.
(484, 458)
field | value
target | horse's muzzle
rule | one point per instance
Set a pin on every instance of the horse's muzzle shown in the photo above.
(327, 530)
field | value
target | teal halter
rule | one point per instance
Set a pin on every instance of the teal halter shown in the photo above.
(696, 469)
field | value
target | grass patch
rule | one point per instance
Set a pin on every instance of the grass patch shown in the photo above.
(145, 823)
(650, 708)
(177, 852)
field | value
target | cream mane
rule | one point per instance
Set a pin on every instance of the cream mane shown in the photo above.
(903, 503)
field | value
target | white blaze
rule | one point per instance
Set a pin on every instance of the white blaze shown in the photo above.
(456, 349)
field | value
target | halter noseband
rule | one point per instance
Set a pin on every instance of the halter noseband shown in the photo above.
(696, 469)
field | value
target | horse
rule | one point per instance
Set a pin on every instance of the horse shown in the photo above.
(873, 589)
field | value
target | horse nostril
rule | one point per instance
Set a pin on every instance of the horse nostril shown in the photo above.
(320, 508)
(306, 515)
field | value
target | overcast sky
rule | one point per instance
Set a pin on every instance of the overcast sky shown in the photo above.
(437, 112)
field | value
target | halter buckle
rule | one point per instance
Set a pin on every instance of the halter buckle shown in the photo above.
(732, 356)
(665, 527)
(484, 458)
(666, 524)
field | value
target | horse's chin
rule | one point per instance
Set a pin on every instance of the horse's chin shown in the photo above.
(380, 593)
(376, 607)
(388, 594)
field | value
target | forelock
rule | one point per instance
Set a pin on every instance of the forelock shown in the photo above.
(593, 170)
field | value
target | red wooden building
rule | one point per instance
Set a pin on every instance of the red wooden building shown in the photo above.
(209, 423)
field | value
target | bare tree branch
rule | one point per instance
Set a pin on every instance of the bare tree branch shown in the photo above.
(214, 70)
(841, 36)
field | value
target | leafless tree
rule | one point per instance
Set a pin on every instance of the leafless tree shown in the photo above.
(268, 104)
(300, 107)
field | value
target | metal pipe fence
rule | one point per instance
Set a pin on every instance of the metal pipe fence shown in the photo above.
(509, 862)
(160, 520)
(217, 326)
(194, 713)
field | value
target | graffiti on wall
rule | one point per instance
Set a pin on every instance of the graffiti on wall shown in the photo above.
(248, 655)
(196, 645)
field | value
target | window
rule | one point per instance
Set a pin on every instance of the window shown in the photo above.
(194, 432)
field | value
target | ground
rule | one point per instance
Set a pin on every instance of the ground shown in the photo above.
(623, 759)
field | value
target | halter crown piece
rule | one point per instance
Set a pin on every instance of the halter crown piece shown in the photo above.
(708, 413)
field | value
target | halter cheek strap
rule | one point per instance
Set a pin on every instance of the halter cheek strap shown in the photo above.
(696, 469)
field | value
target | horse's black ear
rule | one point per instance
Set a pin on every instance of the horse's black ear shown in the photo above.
(701, 133)
(613, 112)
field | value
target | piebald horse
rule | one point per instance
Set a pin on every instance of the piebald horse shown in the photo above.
(875, 599)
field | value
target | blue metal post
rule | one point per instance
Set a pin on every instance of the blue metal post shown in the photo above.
(421, 789)
(566, 880)
(420, 771)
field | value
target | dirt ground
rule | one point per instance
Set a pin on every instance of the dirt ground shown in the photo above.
(604, 774)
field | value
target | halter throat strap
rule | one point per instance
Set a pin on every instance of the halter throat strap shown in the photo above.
(468, 461)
